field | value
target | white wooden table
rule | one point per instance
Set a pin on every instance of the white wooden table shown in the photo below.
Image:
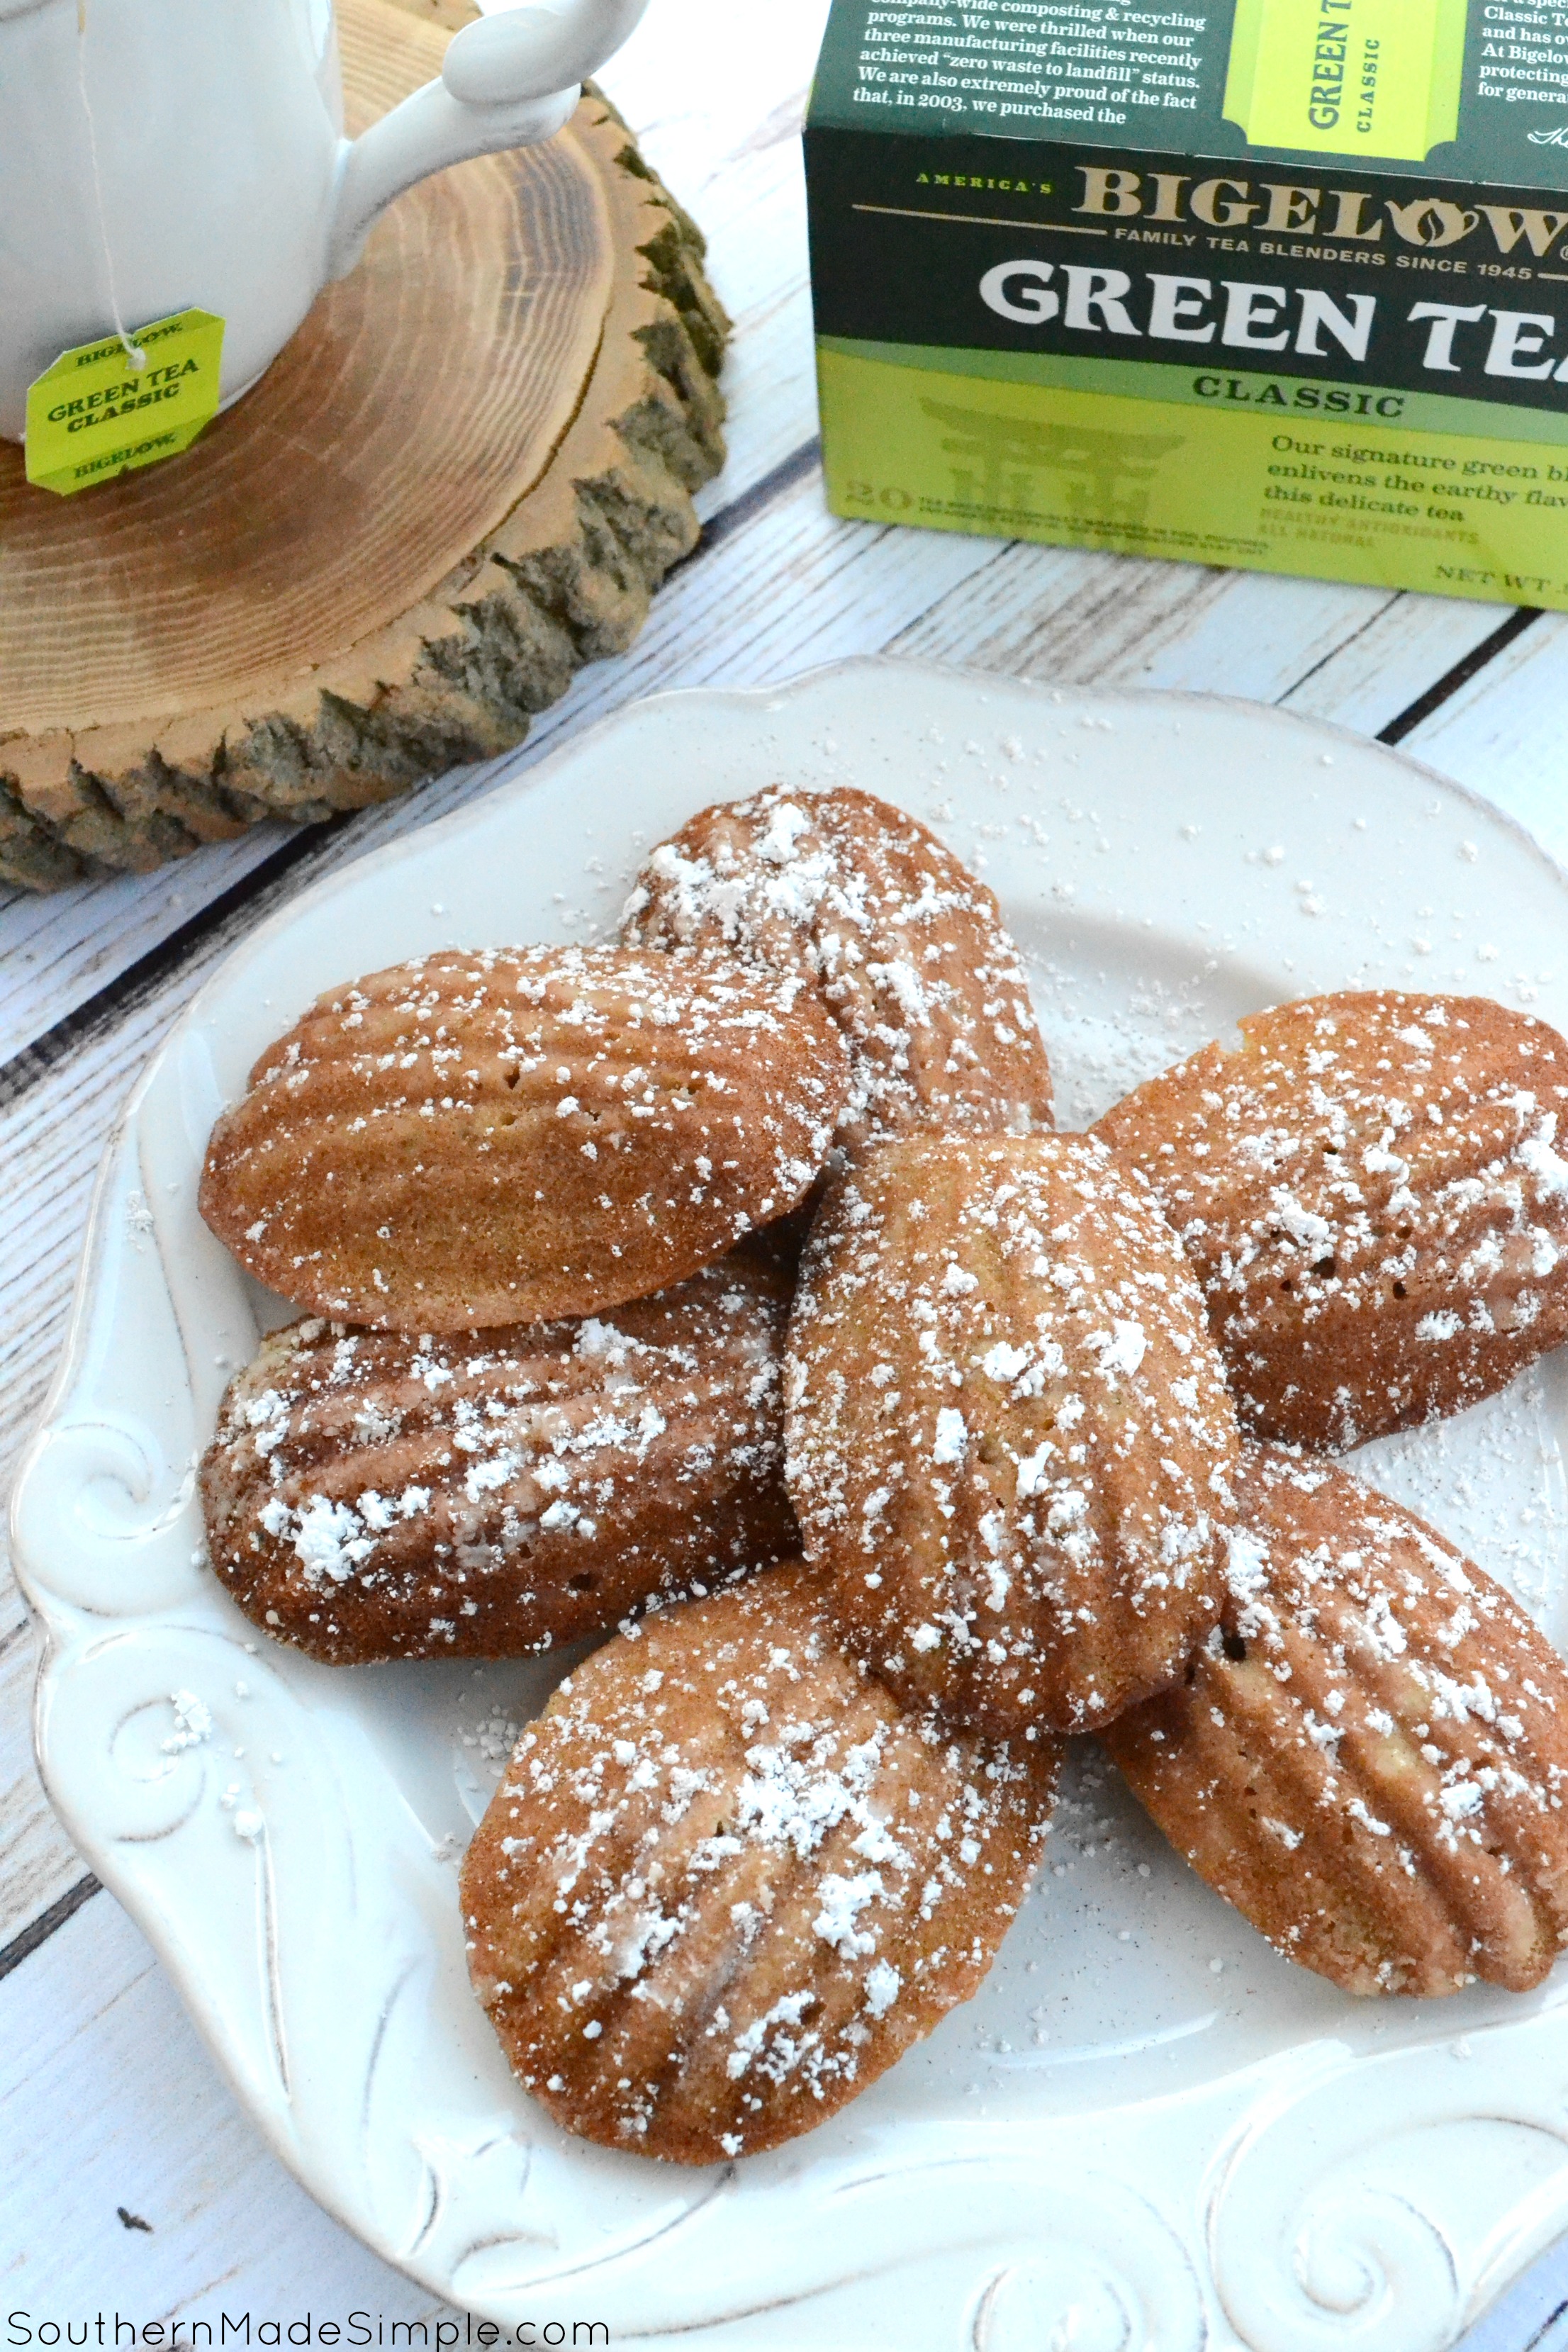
(129, 2182)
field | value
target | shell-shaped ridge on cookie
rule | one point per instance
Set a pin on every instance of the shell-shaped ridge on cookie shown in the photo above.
(907, 947)
(1007, 1434)
(482, 1139)
(1373, 1192)
(1369, 1756)
(727, 1879)
(374, 1495)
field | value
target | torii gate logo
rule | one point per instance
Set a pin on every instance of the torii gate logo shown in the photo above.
(1108, 474)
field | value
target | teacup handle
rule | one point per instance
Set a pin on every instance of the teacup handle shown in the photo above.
(509, 81)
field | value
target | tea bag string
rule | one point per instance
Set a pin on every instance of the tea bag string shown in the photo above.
(133, 351)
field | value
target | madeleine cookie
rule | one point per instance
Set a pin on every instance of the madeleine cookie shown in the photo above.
(909, 949)
(372, 1496)
(1371, 1191)
(1369, 1756)
(1008, 1440)
(726, 1881)
(476, 1140)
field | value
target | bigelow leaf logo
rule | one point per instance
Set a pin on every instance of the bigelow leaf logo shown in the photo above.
(1431, 221)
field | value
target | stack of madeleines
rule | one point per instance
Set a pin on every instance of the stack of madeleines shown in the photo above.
(728, 1293)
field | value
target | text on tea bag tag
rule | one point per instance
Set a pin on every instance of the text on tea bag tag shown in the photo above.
(93, 415)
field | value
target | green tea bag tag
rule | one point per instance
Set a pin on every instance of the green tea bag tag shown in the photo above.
(95, 414)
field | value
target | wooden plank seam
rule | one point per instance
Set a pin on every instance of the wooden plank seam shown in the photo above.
(1448, 685)
(38, 1931)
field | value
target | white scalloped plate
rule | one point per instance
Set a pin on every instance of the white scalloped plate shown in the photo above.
(1148, 2131)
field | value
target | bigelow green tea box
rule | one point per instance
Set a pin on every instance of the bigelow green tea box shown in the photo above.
(1278, 283)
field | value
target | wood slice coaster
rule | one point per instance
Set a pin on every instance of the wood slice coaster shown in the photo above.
(461, 481)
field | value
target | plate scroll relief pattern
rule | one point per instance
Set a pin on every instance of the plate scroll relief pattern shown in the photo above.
(1338, 2214)
(240, 1800)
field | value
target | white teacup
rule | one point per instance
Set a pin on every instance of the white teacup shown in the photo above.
(158, 155)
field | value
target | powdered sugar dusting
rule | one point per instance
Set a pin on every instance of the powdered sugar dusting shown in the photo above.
(907, 947)
(1368, 1189)
(725, 1880)
(1376, 1704)
(372, 1495)
(646, 1111)
(1017, 1478)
